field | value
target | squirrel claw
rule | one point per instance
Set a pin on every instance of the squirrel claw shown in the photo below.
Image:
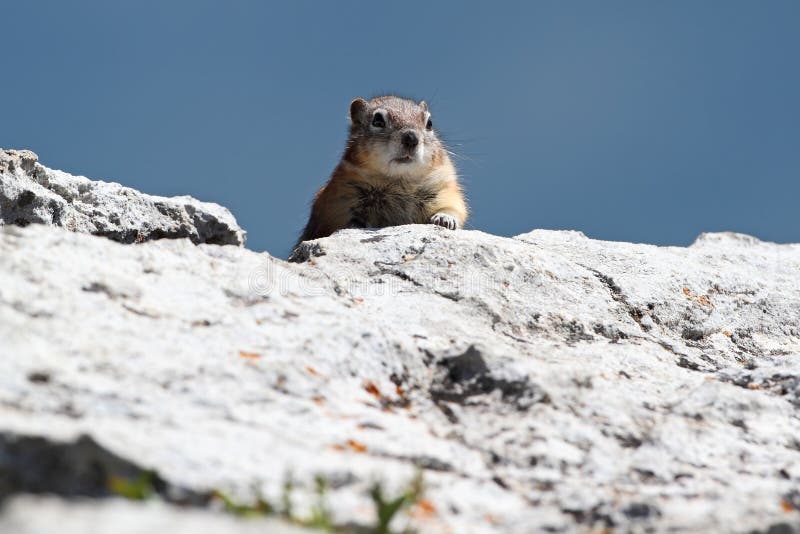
(446, 220)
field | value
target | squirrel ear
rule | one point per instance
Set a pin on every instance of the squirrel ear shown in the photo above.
(423, 105)
(357, 109)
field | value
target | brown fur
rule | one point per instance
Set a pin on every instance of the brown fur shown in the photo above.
(366, 192)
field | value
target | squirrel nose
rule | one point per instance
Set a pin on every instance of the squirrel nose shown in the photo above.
(410, 140)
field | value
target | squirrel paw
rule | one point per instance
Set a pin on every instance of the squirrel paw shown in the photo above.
(446, 220)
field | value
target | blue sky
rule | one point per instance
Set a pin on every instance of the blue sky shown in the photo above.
(628, 120)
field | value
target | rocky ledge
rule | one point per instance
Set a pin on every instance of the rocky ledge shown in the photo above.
(546, 382)
(32, 193)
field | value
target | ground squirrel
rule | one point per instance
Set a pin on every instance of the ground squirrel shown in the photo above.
(394, 171)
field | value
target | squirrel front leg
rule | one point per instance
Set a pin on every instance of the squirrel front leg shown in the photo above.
(450, 210)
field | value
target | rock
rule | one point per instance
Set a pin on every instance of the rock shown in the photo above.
(543, 382)
(46, 515)
(32, 193)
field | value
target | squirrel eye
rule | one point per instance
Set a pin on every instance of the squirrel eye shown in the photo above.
(378, 121)
(429, 125)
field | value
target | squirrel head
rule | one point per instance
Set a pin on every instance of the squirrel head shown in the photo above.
(393, 136)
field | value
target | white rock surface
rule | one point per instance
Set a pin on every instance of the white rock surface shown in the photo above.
(49, 515)
(545, 382)
(32, 193)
